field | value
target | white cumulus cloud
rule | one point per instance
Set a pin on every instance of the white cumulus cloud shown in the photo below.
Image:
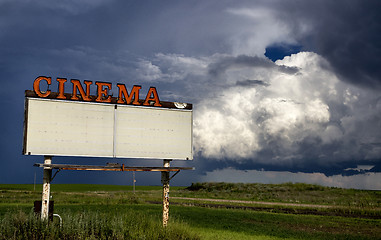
(293, 112)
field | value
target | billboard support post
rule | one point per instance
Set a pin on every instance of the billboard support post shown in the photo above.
(165, 182)
(47, 176)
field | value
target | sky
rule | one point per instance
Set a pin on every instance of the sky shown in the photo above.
(282, 91)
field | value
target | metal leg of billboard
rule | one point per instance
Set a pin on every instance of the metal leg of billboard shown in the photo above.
(165, 182)
(46, 188)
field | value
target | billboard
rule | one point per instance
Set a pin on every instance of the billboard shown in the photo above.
(59, 127)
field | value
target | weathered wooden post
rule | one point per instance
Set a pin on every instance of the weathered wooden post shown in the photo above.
(165, 182)
(46, 188)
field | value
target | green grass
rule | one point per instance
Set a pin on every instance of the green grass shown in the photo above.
(247, 223)
(104, 211)
(286, 193)
(88, 224)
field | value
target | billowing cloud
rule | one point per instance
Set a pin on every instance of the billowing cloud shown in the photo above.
(297, 114)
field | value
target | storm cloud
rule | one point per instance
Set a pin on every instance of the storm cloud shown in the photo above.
(315, 110)
(300, 120)
(346, 33)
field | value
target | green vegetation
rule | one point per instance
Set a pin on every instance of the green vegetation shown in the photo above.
(91, 225)
(115, 212)
(287, 193)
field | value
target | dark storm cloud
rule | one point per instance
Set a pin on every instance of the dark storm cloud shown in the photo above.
(346, 33)
(248, 83)
(344, 168)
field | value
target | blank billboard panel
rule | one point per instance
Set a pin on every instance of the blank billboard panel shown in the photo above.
(71, 128)
(147, 132)
(62, 128)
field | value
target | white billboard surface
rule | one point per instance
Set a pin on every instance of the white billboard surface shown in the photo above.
(71, 128)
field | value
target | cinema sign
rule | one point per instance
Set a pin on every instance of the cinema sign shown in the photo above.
(125, 126)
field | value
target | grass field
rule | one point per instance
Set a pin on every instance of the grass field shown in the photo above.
(298, 211)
